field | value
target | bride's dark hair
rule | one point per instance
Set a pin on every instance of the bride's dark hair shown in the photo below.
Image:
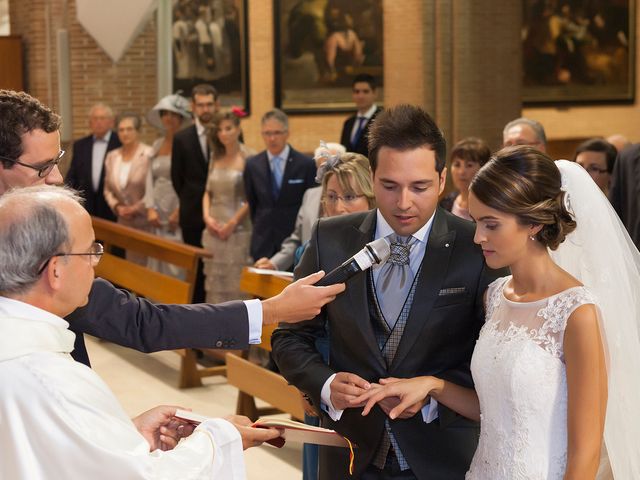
(524, 182)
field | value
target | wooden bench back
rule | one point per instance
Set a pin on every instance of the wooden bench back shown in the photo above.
(138, 278)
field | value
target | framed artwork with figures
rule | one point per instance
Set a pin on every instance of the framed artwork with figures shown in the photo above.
(578, 51)
(210, 45)
(320, 46)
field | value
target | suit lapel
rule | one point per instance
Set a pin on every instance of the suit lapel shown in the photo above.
(199, 156)
(357, 289)
(286, 173)
(265, 170)
(432, 276)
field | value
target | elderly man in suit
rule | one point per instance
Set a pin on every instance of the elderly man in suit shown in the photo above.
(275, 181)
(355, 131)
(524, 131)
(29, 155)
(86, 172)
(418, 314)
(189, 169)
(309, 212)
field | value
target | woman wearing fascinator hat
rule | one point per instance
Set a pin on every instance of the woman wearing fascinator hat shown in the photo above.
(169, 115)
(556, 364)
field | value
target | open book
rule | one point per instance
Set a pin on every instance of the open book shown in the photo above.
(291, 430)
(277, 273)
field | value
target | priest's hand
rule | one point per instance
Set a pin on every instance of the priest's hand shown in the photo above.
(251, 437)
(161, 429)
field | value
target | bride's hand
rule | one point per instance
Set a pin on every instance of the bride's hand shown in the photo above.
(411, 392)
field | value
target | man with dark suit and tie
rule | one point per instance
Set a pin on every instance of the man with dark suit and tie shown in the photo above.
(86, 173)
(418, 314)
(189, 169)
(29, 155)
(275, 181)
(355, 131)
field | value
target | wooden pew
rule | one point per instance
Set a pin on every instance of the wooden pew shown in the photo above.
(254, 381)
(153, 285)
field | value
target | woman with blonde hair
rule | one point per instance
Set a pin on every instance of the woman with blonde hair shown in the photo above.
(347, 187)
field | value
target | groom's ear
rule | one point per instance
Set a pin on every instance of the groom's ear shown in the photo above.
(443, 181)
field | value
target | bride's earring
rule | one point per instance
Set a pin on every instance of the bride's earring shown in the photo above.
(532, 238)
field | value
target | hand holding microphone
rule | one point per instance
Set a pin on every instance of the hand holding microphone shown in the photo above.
(302, 300)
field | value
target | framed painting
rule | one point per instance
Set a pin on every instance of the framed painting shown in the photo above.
(578, 51)
(320, 46)
(210, 45)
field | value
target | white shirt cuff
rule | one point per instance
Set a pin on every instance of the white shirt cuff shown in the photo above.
(430, 411)
(325, 397)
(254, 311)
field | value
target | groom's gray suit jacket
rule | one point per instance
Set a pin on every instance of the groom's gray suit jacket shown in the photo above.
(439, 338)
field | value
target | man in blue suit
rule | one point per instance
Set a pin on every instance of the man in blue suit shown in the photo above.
(275, 181)
(86, 173)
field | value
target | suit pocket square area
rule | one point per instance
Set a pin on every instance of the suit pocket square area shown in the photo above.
(452, 291)
(293, 181)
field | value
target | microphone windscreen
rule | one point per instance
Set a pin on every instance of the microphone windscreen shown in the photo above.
(381, 249)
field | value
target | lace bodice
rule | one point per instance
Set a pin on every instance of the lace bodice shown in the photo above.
(519, 373)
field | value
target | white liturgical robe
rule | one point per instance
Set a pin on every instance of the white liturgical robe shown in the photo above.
(58, 419)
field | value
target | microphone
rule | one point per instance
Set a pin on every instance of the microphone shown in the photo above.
(373, 253)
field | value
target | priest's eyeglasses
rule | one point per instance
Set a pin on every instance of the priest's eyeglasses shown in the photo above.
(95, 254)
(43, 169)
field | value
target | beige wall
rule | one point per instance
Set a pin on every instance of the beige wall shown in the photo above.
(589, 121)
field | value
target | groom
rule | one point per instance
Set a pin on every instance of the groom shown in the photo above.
(419, 314)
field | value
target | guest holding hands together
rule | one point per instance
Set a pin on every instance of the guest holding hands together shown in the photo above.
(225, 211)
(126, 176)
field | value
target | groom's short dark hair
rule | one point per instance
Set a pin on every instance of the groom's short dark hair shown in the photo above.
(406, 127)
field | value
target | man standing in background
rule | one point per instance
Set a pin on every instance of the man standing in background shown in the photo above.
(189, 169)
(275, 181)
(355, 131)
(86, 173)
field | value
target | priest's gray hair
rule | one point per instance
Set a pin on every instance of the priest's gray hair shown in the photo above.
(31, 232)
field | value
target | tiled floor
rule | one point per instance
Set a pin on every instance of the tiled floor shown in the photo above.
(141, 381)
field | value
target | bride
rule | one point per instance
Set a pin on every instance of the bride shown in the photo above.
(564, 321)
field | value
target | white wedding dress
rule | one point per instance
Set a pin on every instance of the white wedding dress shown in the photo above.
(520, 377)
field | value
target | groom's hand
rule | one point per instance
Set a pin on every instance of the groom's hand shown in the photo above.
(345, 387)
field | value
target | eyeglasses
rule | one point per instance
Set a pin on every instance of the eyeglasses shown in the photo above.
(595, 169)
(44, 169)
(95, 252)
(275, 133)
(348, 199)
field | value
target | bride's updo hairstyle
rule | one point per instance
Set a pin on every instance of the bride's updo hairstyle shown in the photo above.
(524, 182)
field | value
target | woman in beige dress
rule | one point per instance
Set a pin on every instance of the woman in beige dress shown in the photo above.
(225, 211)
(126, 176)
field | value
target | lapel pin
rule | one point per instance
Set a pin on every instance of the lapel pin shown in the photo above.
(446, 245)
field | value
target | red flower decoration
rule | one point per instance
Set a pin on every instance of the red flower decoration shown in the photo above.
(238, 111)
